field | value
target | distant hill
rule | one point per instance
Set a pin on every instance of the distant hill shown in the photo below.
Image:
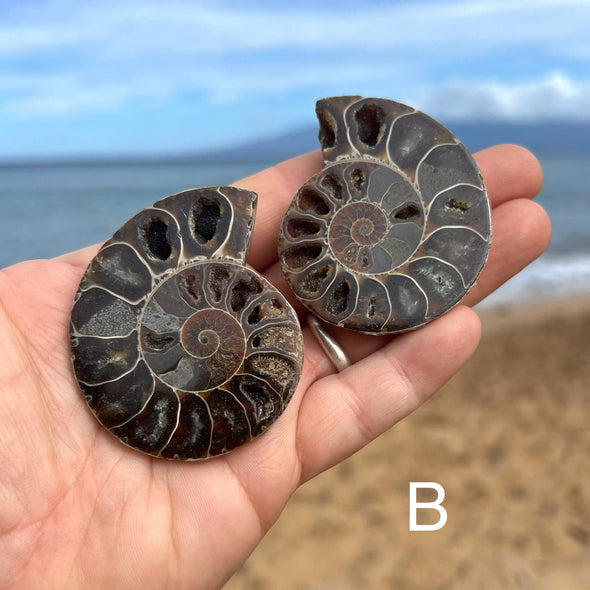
(539, 137)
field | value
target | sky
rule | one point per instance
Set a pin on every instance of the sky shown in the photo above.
(136, 77)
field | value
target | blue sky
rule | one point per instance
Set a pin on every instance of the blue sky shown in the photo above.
(82, 78)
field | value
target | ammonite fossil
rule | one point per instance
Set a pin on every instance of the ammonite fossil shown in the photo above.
(180, 350)
(395, 229)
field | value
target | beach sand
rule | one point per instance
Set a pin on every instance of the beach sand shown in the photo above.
(509, 440)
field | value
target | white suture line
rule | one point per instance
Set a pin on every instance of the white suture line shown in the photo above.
(399, 274)
(427, 153)
(229, 231)
(353, 307)
(325, 256)
(181, 259)
(388, 302)
(464, 227)
(252, 304)
(116, 295)
(77, 334)
(243, 409)
(260, 329)
(391, 131)
(212, 422)
(155, 276)
(281, 355)
(355, 151)
(176, 425)
(446, 263)
(115, 379)
(104, 250)
(147, 401)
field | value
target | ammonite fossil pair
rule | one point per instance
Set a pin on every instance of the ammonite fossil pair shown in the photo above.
(183, 352)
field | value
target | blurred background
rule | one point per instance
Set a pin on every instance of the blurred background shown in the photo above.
(105, 108)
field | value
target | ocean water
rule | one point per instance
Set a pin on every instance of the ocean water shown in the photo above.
(53, 209)
(564, 270)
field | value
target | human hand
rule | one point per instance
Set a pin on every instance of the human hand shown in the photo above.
(79, 509)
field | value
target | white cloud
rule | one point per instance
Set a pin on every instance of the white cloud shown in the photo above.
(201, 28)
(554, 97)
(57, 94)
(92, 58)
(447, 26)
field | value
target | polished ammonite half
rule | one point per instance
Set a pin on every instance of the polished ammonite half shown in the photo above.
(395, 229)
(180, 350)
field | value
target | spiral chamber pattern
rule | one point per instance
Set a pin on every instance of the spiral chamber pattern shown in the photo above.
(180, 350)
(395, 229)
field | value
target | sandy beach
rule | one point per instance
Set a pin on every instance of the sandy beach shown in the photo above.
(509, 440)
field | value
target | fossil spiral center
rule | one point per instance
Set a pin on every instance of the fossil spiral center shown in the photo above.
(381, 230)
(187, 343)
(369, 224)
(202, 333)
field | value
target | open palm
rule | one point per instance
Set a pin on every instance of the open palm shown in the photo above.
(79, 509)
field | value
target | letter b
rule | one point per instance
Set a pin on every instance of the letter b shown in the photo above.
(436, 505)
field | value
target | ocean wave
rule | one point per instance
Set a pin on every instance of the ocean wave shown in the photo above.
(548, 278)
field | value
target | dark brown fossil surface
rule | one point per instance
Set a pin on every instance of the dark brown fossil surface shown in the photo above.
(180, 350)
